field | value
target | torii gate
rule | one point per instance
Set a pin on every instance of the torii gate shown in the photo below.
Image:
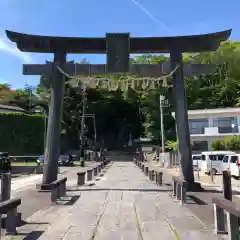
(118, 47)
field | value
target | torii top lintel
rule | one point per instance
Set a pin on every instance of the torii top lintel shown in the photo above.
(50, 44)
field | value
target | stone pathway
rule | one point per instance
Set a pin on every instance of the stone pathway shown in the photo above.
(123, 204)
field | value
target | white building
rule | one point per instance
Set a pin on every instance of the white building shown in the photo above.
(207, 125)
(7, 109)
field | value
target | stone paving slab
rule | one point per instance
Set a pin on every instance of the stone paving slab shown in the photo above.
(124, 204)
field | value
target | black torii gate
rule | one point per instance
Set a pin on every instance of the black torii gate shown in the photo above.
(117, 47)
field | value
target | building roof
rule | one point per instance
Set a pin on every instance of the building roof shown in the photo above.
(11, 108)
(215, 110)
(212, 111)
(51, 44)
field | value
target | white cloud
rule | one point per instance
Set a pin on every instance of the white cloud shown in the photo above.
(148, 13)
(13, 50)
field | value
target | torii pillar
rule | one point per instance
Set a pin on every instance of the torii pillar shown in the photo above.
(181, 113)
(52, 149)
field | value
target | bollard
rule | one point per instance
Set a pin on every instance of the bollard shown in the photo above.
(61, 190)
(156, 177)
(227, 185)
(143, 167)
(95, 171)
(178, 191)
(11, 222)
(54, 195)
(183, 192)
(6, 195)
(99, 168)
(150, 174)
(153, 175)
(5, 186)
(159, 178)
(81, 178)
(89, 174)
(174, 189)
(146, 170)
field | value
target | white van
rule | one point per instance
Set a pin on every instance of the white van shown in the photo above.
(231, 162)
(213, 161)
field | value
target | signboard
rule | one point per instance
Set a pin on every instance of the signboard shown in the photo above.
(147, 149)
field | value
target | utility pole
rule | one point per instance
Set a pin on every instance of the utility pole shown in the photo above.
(84, 101)
(94, 125)
(161, 100)
(95, 130)
(45, 131)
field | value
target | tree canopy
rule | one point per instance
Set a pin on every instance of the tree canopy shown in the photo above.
(137, 112)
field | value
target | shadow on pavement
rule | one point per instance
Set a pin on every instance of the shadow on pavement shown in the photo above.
(34, 235)
(32, 223)
(119, 189)
(195, 200)
(212, 191)
(68, 200)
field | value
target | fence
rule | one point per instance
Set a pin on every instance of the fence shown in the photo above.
(169, 159)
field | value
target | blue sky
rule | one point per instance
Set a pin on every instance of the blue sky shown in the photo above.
(96, 17)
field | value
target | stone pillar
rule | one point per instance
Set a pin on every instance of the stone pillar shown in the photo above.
(52, 150)
(210, 122)
(182, 117)
(209, 142)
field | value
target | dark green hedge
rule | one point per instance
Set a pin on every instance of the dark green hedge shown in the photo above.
(21, 133)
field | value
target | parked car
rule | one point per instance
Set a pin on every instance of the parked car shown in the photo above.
(231, 162)
(212, 161)
(40, 160)
(63, 160)
(196, 161)
(5, 163)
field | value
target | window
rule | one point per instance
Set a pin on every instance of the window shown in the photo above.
(213, 157)
(196, 126)
(199, 145)
(234, 159)
(203, 158)
(216, 157)
(220, 157)
(225, 159)
(196, 158)
(224, 121)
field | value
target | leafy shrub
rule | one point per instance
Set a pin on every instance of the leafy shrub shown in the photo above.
(228, 143)
(218, 145)
(232, 142)
(21, 133)
(172, 145)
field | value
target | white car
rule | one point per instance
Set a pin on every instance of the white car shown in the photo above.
(231, 162)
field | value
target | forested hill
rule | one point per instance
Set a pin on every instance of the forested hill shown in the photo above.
(221, 89)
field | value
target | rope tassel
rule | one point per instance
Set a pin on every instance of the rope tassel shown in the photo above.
(137, 83)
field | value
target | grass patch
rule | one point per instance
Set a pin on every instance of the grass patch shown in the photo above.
(32, 164)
